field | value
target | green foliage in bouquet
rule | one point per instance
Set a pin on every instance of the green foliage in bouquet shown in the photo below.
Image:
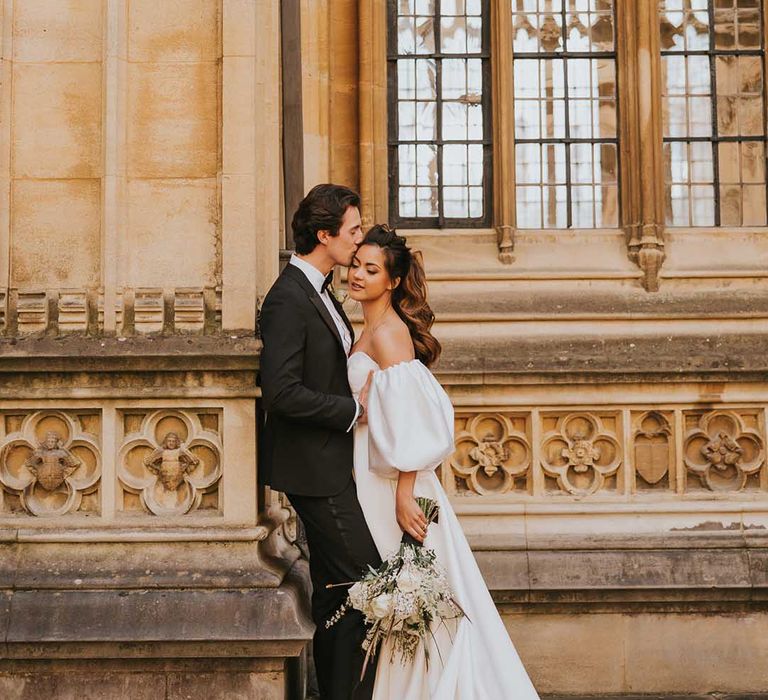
(403, 597)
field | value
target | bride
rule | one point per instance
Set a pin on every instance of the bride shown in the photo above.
(409, 432)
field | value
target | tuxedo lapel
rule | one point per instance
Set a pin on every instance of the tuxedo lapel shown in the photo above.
(294, 273)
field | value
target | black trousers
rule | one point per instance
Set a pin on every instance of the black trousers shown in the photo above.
(340, 549)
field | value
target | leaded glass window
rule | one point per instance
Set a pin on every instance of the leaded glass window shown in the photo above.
(565, 105)
(713, 103)
(439, 121)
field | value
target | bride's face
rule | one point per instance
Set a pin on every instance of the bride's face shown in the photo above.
(368, 277)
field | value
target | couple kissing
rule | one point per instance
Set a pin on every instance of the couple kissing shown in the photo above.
(354, 430)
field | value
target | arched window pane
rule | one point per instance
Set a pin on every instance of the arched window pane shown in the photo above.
(439, 113)
(565, 93)
(713, 108)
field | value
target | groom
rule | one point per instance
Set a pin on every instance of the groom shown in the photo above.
(306, 447)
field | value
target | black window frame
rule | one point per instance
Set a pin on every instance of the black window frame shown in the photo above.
(440, 221)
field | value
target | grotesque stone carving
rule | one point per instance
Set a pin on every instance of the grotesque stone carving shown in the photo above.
(50, 475)
(492, 452)
(580, 453)
(51, 463)
(722, 451)
(170, 460)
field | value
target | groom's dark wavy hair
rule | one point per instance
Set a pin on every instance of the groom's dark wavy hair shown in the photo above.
(321, 210)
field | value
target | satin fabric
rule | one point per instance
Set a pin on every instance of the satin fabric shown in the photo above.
(410, 427)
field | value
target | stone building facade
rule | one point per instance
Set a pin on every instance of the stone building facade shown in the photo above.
(597, 262)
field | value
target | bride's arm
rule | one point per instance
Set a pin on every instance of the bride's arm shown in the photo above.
(392, 345)
(410, 517)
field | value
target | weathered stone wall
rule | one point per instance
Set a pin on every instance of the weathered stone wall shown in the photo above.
(141, 223)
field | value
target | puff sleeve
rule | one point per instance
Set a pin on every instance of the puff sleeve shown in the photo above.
(410, 420)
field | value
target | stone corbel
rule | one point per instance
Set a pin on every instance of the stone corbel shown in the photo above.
(506, 242)
(646, 250)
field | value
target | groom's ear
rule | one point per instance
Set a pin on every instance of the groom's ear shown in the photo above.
(323, 236)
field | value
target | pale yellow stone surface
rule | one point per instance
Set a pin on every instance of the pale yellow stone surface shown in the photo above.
(173, 116)
(58, 30)
(570, 653)
(55, 233)
(238, 28)
(644, 653)
(173, 30)
(171, 239)
(57, 120)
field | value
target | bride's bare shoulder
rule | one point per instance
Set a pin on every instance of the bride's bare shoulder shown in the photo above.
(392, 343)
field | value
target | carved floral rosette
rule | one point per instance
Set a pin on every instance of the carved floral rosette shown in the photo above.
(722, 451)
(580, 454)
(490, 454)
(50, 463)
(172, 485)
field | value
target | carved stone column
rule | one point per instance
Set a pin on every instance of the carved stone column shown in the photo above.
(503, 129)
(643, 181)
(373, 110)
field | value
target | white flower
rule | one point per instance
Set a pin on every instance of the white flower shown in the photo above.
(358, 594)
(381, 605)
(408, 580)
(339, 294)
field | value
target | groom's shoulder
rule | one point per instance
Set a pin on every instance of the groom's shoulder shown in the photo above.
(285, 290)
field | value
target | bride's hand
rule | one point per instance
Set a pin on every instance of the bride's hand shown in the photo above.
(410, 517)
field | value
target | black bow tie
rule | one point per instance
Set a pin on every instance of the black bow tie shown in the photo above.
(327, 281)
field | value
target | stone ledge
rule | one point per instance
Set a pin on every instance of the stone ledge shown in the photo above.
(174, 622)
(126, 566)
(235, 351)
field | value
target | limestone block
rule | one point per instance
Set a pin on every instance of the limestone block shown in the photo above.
(172, 233)
(57, 120)
(239, 28)
(52, 30)
(173, 30)
(225, 684)
(86, 685)
(55, 233)
(697, 653)
(173, 120)
(571, 653)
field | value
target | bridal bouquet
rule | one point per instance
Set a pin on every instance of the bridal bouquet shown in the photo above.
(403, 597)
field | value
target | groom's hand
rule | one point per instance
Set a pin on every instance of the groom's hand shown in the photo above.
(363, 399)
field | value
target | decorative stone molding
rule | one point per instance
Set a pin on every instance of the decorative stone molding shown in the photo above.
(653, 450)
(646, 250)
(170, 461)
(723, 451)
(493, 453)
(580, 453)
(50, 463)
(31, 312)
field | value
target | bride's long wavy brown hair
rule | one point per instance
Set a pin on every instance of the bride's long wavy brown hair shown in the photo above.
(409, 298)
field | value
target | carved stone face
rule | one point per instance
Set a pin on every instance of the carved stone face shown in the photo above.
(51, 440)
(171, 441)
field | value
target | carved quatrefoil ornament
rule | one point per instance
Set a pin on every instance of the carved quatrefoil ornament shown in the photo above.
(50, 463)
(723, 452)
(580, 453)
(171, 462)
(490, 454)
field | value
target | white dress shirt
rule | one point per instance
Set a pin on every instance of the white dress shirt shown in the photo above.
(316, 279)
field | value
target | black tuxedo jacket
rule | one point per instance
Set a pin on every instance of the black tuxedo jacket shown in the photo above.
(304, 449)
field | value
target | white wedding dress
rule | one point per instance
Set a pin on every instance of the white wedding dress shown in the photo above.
(410, 428)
